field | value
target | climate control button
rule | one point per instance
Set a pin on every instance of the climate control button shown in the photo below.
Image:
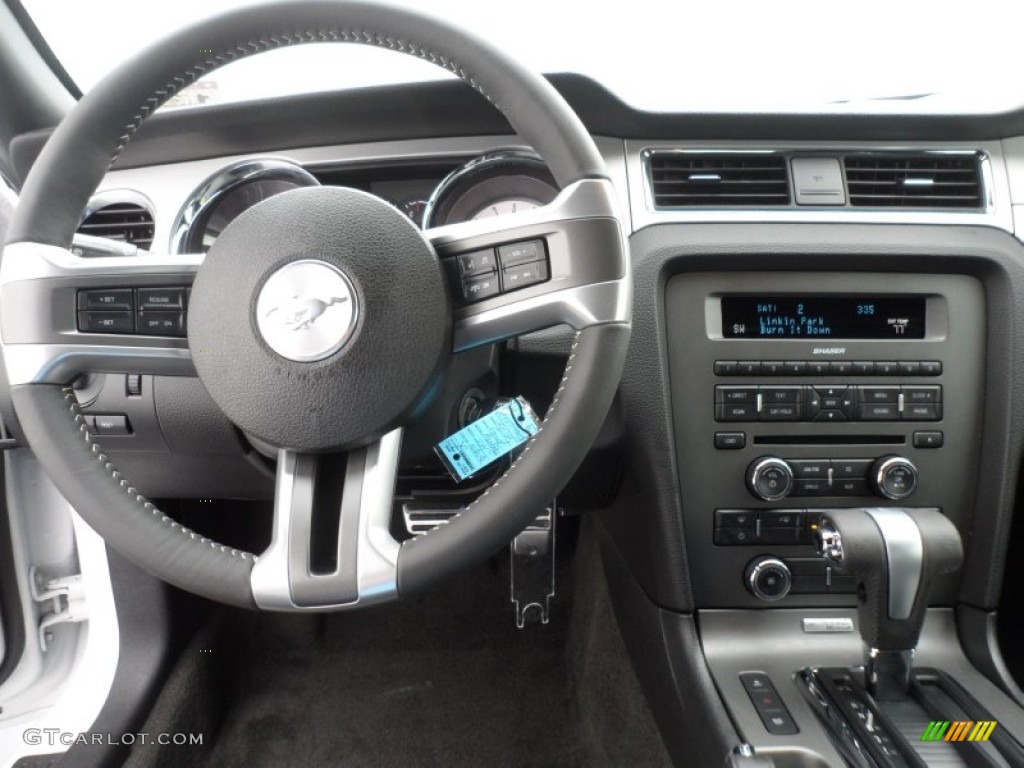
(768, 578)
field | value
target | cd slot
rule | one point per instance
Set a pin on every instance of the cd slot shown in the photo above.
(830, 440)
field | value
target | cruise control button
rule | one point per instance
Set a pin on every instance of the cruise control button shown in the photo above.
(106, 322)
(878, 412)
(735, 394)
(162, 323)
(928, 439)
(162, 298)
(477, 263)
(524, 275)
(922, 411)
(521, 253)
(730, 441)
(738, 412)
(478, 288)
(106, 299)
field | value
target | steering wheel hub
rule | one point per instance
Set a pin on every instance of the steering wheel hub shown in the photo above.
(320, 319)
(306, 310)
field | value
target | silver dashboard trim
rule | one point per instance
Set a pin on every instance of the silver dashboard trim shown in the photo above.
(904, 552)
(376, 550)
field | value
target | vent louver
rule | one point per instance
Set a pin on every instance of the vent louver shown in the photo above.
(127, 222)
(914, 181)
(684, 180)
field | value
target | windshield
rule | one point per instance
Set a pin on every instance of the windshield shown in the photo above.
(798, 55)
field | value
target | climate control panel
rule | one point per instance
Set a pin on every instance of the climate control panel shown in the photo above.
(772, 478)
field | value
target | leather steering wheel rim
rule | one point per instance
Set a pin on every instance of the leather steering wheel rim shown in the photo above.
(88, 142)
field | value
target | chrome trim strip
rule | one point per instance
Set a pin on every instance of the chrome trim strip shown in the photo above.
(208, 194)
(904, 553)
(377, 551)
(60, 363)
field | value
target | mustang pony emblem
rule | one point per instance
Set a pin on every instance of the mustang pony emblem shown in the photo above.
(298, 314)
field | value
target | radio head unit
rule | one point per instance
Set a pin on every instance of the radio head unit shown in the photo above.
(823, 316)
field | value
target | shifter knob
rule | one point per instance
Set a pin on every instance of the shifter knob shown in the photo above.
(894, 555)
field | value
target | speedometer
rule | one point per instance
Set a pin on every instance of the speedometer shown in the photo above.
(495, 184)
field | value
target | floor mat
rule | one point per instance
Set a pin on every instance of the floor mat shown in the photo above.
(445, 680)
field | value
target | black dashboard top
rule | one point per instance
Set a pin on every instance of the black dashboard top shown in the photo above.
(430, 110)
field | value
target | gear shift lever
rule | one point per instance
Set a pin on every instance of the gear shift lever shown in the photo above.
(894, 554)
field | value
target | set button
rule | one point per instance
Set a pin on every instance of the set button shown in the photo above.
(158, 311)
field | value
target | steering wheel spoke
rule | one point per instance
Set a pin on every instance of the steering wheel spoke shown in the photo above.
(331, 547)
(558, 264)
(57, 320)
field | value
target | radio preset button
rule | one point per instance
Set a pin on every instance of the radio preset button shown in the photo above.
(726, 367)
(818, 367)
(795, 368)
(863, 367)
(887, 367)
(910, 368)
(748, 367)
(931, 368)
(772, 367)
(842, 367)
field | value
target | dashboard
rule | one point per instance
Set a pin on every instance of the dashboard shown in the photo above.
(826, 315)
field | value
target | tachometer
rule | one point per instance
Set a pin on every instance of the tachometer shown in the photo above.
(495, 184)
(226, 194)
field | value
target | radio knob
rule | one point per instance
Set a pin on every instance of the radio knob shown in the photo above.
(770, 478)
(894, 477)
(768, 578)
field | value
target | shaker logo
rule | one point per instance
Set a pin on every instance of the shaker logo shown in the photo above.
(299, 314)
(829, 351)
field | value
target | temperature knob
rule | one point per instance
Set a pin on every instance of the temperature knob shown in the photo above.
(770, 478)
(894, 477)
(768, 578)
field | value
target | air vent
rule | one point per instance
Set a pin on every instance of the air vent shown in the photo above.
(124, 221)
(914, 181)
(685, 180)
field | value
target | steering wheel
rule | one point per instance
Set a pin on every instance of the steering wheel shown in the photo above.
(383, 322)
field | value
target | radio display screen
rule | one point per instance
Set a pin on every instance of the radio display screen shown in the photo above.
(823, 317)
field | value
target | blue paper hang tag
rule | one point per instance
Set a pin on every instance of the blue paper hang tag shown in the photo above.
(488, 439)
